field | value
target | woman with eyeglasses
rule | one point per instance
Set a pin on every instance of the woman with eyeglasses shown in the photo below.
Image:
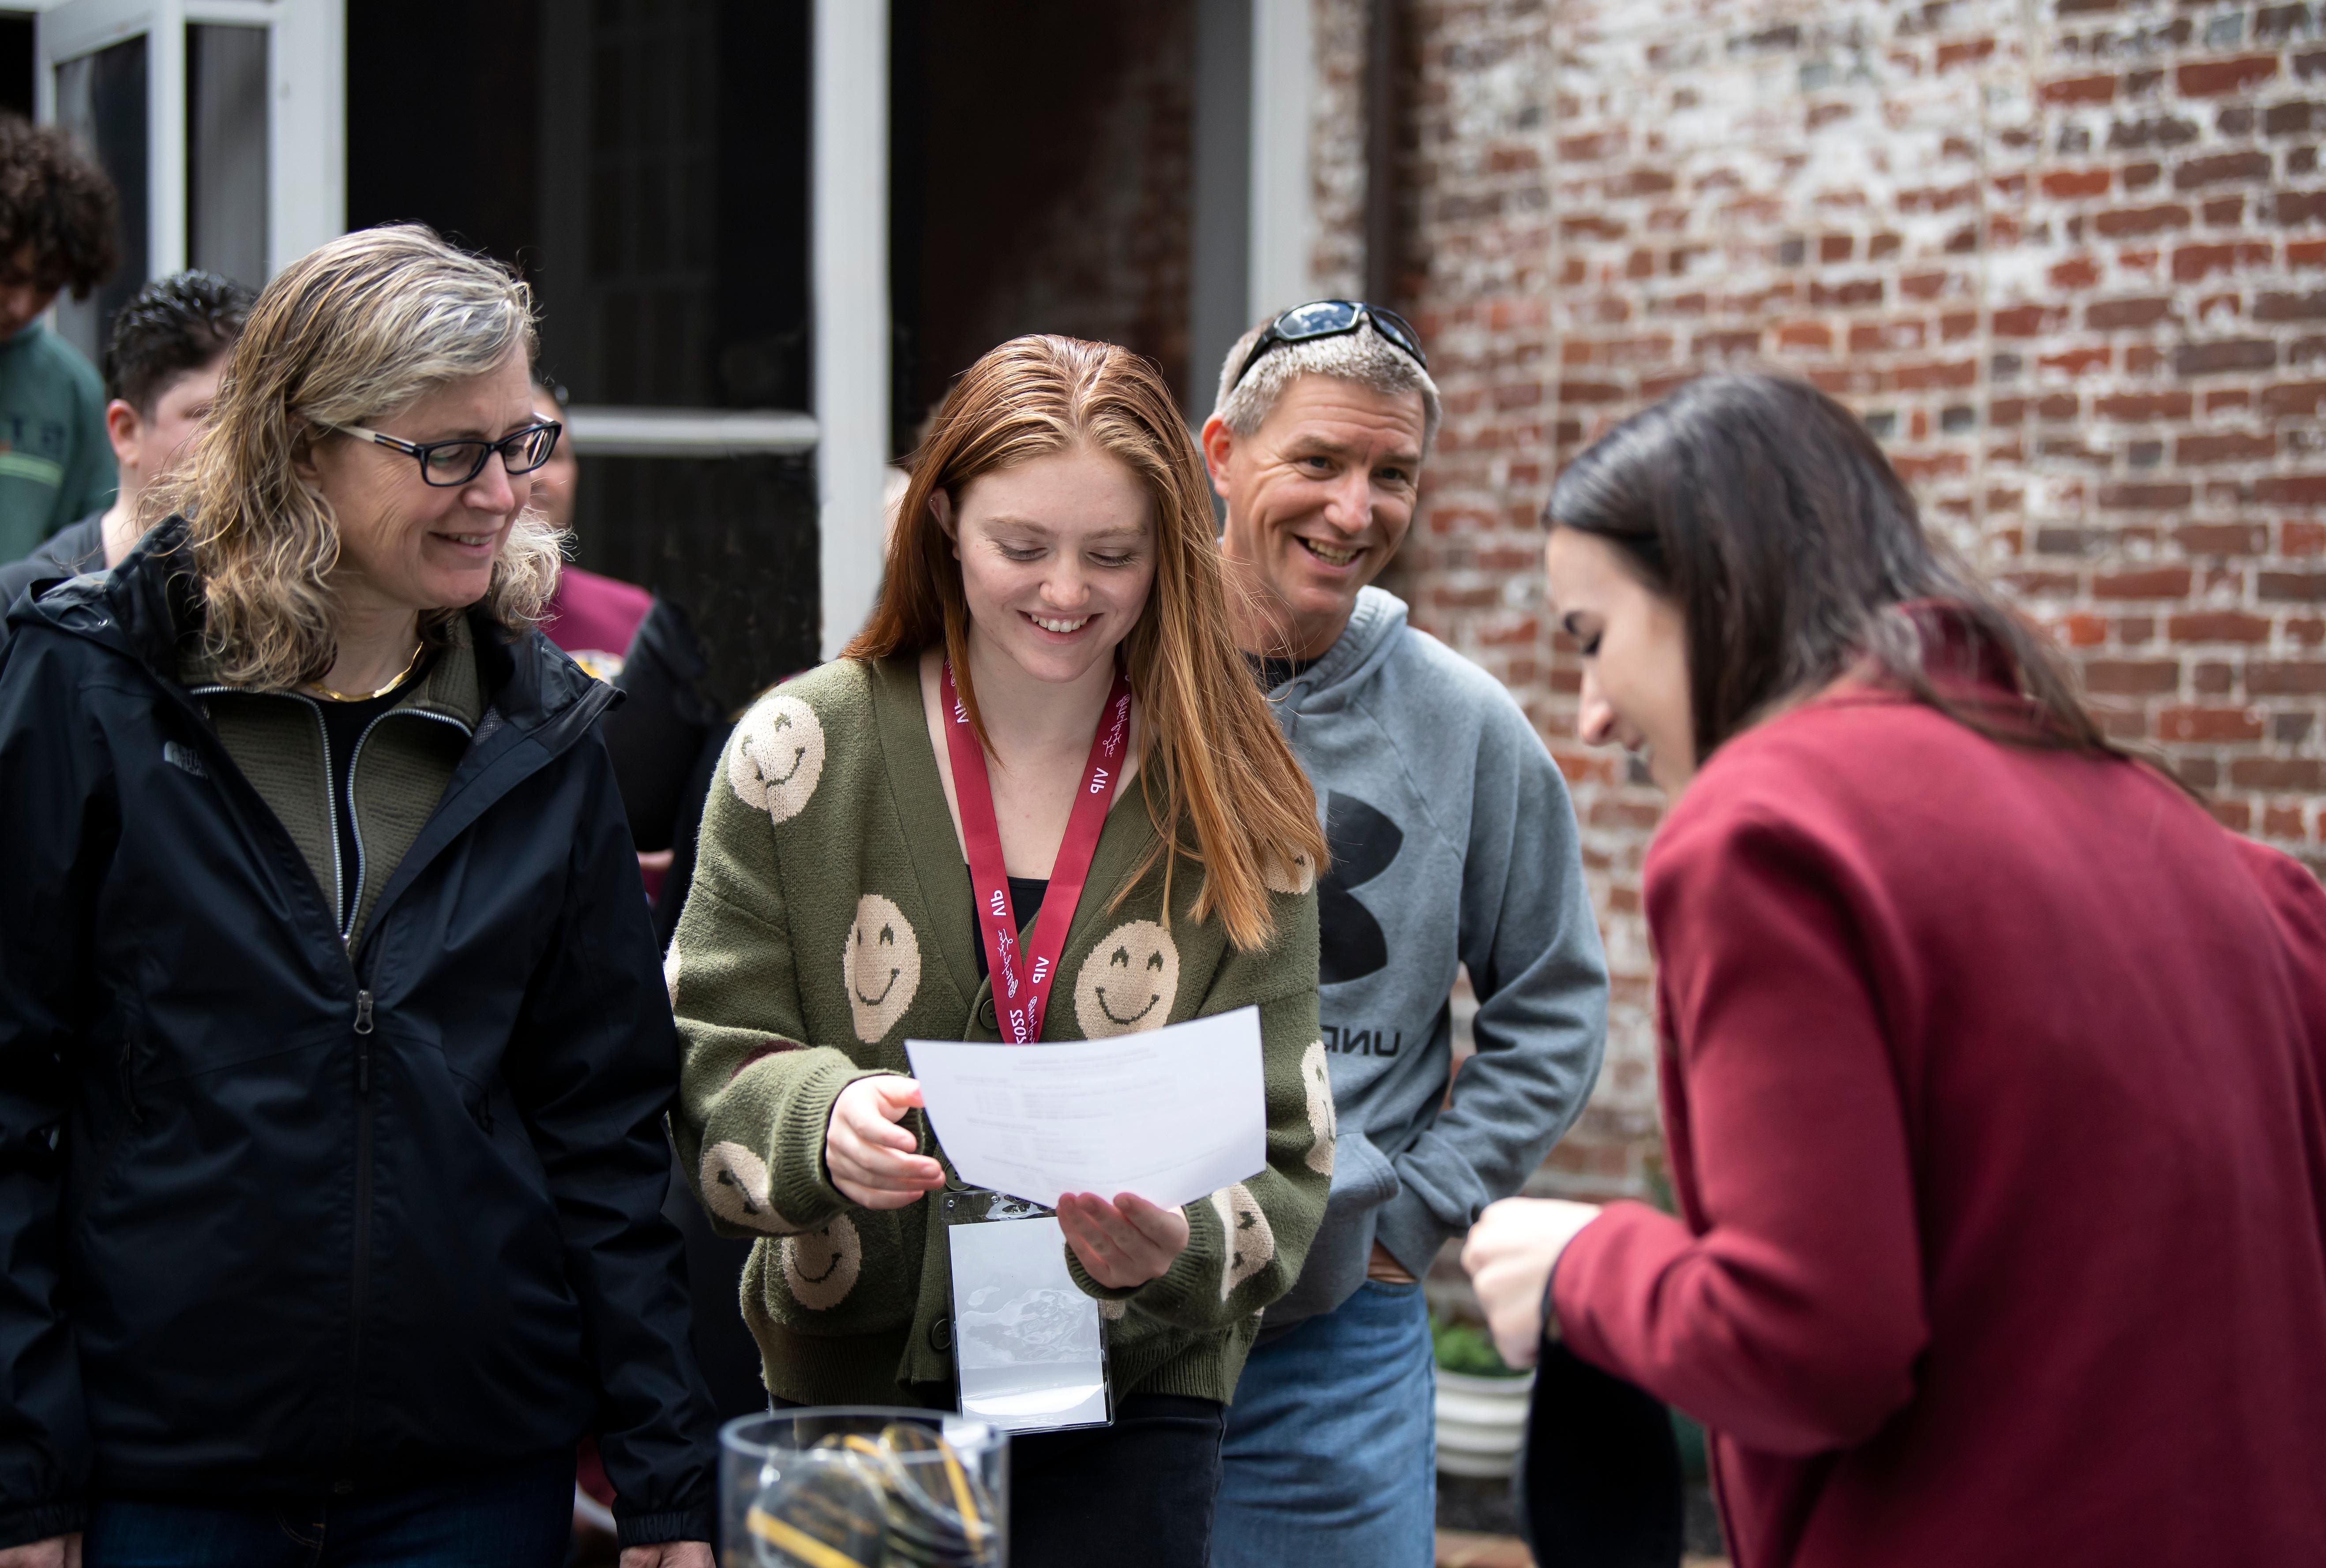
(333, 1048)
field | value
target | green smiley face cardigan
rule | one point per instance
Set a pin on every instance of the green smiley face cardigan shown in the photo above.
(829, 920)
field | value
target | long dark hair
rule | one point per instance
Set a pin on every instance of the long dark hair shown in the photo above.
(1767, 513)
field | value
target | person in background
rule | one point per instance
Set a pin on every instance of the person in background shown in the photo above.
(591, 617)
(58, 214)
(334, 1050)
(1052, 600)
(1453, 846)
(163, 364)
(1992, 1065)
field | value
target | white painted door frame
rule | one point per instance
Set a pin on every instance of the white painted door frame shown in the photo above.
(306, 122)
(853, 330)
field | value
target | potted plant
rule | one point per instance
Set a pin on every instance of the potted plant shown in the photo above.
(1482, 1404)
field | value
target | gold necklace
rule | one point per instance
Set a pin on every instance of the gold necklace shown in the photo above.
(323, 691)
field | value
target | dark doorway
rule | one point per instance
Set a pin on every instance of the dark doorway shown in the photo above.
(644, 164)
(1041, 182)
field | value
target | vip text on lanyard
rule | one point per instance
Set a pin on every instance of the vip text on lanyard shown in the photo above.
(1021, 994)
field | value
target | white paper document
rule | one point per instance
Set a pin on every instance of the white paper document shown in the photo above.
(1172, 1114)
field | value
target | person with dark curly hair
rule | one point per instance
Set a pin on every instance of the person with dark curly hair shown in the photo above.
(58, 218)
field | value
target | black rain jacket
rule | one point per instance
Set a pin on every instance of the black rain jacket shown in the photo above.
(280, 1218)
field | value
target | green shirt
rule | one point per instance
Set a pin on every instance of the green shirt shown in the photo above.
(56, 463)
(829, 920)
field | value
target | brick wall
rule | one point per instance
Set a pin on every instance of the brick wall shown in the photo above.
(2068, 258)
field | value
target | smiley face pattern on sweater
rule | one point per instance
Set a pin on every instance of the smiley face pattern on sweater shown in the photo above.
(1129, 982)
(1250, 1244)
(777, 756)
(1324, 1121)
(881, 967)
(1296, 878)
(735, 1188)
(822, 1266)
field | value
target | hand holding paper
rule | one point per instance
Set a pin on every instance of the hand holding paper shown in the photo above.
(872, 1160)
(1125, 1243)
(1171, 1115)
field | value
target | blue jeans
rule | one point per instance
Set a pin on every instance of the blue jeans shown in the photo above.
(1330, 1457)
(518, 1517)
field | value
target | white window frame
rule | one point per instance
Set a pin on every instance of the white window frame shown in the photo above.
(306, 122)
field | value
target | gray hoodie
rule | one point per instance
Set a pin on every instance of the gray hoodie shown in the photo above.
(1453, 844)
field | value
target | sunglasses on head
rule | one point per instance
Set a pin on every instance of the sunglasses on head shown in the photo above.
(1334, 318)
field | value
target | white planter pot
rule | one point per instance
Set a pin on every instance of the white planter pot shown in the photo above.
(1481, 1422)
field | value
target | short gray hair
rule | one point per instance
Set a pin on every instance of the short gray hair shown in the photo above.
(1363, 356)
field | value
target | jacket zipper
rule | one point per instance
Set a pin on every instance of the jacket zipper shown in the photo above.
(359, 1281)
(355, 823)
(361, 1274)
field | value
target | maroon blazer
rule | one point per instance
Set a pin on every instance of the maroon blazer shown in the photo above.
(1992, 1082)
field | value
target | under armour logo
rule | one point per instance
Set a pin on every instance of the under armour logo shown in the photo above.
(1363, 843)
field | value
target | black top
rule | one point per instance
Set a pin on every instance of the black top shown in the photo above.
(665, 739)
(1025, 902)
(344, 724)
(71, 551)
(1272, 672)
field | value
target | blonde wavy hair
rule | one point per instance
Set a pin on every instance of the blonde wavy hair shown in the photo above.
(1221, 786)
(348, 334)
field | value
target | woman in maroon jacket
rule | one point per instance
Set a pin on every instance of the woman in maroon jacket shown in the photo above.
(1991, 1063)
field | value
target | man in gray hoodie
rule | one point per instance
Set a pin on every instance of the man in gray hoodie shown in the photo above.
(1453, 844)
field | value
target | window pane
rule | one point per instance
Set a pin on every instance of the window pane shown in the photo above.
(101, 103)
(225, 151)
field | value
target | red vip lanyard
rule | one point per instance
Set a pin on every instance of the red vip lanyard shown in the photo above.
(1020, 994)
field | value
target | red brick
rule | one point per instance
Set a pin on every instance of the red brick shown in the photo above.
(2292, 207)
(2112, 315)
(2132, 677)
(2297, 537)
(2217, 539)
(2217, 627)
(2143, 407)
(2220, 169)
(2235, 447)
(1812, 335)
(2290, 587)
(2154, 582)
(2209, 724)
(2299, 397)
(2132, 221)
(1925, 378)
(2233, 354)
(2026, 320)
(2275, 307)
(2081, 273)
(2306, 680)
(2277, 773)
(2236, 816)
(2291, 490)
(2067, 184)
(2078, 89)
(2211, 78)
(2077, 361)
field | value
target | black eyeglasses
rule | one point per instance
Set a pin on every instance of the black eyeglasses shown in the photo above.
(1334, 318)
(445, 464)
